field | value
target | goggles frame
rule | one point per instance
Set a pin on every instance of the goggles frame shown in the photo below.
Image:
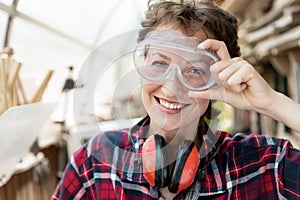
(166, 39)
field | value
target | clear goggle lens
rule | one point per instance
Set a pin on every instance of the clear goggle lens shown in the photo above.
(164, 57)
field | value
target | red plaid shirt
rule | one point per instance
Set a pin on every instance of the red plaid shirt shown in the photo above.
(239, 167)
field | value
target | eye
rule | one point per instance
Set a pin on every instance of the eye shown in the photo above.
(198, 71)
(159, 64)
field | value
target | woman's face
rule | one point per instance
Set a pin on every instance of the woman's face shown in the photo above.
(168, 104)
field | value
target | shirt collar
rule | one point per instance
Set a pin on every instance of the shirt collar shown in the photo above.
(136, 133)
(212, 141)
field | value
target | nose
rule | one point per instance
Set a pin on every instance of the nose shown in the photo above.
(172, 72)
(171, 86)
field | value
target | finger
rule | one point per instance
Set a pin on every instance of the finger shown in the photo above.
(215, 93)
(240, 79)
(223, 64)
(217, 70)
(220, 94)
(219, 47)
(226, 73)
(200, 95)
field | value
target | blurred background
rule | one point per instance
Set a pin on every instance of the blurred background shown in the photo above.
(46, 46)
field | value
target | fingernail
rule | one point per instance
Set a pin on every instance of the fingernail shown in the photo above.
(243, 86)
(213, 67)
(200, 46)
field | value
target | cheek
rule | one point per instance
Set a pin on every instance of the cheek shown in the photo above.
(147, 90)
(202, 105)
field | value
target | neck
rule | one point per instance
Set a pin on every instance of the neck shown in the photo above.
(174, 138)
(167, 194)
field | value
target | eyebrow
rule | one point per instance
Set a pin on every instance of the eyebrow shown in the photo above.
(161, 55)
(205, 60)
(196, 60)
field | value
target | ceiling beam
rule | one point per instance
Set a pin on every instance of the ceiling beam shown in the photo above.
(14, 13)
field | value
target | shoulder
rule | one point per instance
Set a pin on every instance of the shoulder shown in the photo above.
(258, 150)
(255, 157)
(115, 138)
(101, 146)
(240, 140)
(256, 147)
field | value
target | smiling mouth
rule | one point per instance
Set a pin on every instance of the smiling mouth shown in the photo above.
(170, 105)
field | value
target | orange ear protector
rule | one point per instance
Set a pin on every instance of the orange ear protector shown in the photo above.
(155, 164)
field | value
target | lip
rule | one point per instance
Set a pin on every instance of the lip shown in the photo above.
(169, 110)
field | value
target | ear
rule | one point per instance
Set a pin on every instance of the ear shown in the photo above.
(154, 161)
(185, 167)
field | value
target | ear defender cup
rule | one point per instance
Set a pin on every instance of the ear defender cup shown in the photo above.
(155, 170)
(185, 167)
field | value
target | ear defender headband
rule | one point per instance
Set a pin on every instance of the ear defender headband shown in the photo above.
(155, 168)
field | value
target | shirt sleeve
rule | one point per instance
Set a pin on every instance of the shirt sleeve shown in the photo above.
(70, 186)
(289, 172)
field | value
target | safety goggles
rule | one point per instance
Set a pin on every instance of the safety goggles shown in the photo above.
(164, 55)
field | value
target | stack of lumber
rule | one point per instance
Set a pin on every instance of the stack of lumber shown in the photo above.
(12, 92)
(270, 40)
(27, 182)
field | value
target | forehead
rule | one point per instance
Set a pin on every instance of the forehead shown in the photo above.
(173, 44)
(173, 54)
(201, 34)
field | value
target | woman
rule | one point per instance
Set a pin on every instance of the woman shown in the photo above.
(156, 159)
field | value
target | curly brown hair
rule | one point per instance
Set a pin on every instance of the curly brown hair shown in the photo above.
(190, 16)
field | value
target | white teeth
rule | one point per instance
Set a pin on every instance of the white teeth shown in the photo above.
(170, 105)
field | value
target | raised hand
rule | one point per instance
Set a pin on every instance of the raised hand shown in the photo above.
(240, 85)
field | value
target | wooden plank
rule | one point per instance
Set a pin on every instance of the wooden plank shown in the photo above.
(268, 126)
(39, 93)
(22, 91)
(22, 185)
(3, 79)
(294, 56)
(2, 193)
(254, 122)
(281, 64)
(241, 120)
(287, 21)
(273, 14)
(284, 3)
(287, 46)
(13, 74)
(235, 6)
(260, 34)
(274, 45)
